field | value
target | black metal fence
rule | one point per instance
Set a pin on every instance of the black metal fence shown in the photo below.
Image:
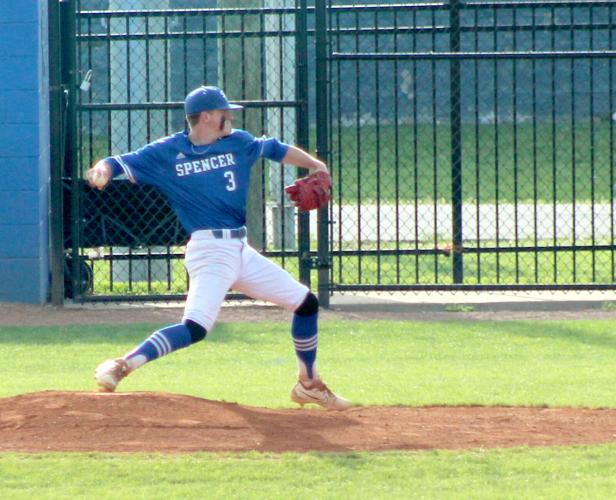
(470, 143)
(134, 63)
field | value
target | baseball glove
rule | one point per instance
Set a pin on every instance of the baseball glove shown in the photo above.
(310, 192)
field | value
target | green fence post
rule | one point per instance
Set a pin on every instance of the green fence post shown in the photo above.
(242, 80)
(322, 82)
(69, 82)
(456, 143)
(303, 132)
(56, 228)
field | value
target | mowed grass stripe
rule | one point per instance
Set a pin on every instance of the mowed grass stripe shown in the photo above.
(372, 363)
(561, 472)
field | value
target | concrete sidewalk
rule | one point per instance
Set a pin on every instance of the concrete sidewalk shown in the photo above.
(436, 301)
(478, 301)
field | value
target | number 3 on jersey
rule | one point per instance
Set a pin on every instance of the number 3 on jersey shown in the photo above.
(230, 181)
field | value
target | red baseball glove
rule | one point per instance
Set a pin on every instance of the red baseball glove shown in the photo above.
(310, 192)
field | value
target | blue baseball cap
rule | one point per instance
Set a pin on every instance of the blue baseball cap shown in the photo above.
(207, 99)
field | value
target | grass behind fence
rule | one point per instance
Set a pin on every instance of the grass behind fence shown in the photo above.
(527, 267)
(546, 267)
(505, 162)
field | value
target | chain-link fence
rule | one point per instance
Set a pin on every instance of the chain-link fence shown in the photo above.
(473, 145)
(135, 62)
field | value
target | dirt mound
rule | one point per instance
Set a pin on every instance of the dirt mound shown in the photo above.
(143, 421)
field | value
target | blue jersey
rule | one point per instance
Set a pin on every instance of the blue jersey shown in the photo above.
(207, 186)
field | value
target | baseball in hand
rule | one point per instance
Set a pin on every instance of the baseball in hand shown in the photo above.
(97, 178)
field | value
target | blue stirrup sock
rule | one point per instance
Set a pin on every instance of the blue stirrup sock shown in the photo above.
(160, 343)
(305, 339)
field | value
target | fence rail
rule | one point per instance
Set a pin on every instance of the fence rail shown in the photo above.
(408, 56)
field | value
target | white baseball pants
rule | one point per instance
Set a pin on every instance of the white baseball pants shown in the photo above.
(217, 265)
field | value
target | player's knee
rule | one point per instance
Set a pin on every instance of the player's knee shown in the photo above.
(309, 306)
(197, 332)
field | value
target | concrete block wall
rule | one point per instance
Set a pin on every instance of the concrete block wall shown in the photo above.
(24, 152)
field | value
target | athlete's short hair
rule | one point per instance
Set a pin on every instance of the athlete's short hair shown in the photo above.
(193, 119)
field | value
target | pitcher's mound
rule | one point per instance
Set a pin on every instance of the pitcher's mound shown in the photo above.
(143, 421)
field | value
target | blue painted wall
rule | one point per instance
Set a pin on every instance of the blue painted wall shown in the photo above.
(24, 151)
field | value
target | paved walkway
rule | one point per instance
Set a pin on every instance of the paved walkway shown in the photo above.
(479, 301)
(424, 301)
(486, 222)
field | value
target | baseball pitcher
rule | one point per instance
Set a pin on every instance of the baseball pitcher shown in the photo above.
(205, 172)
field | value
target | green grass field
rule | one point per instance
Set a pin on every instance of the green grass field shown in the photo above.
(387, 363)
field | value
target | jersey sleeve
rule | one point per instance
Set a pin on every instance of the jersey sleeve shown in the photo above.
(141, 167)
(263, 147)
(272, 148)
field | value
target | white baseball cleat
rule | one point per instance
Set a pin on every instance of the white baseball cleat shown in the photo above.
(109, 373)
(318, 393)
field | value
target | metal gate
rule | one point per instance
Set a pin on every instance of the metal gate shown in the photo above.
(126, 75)
(472, 145)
